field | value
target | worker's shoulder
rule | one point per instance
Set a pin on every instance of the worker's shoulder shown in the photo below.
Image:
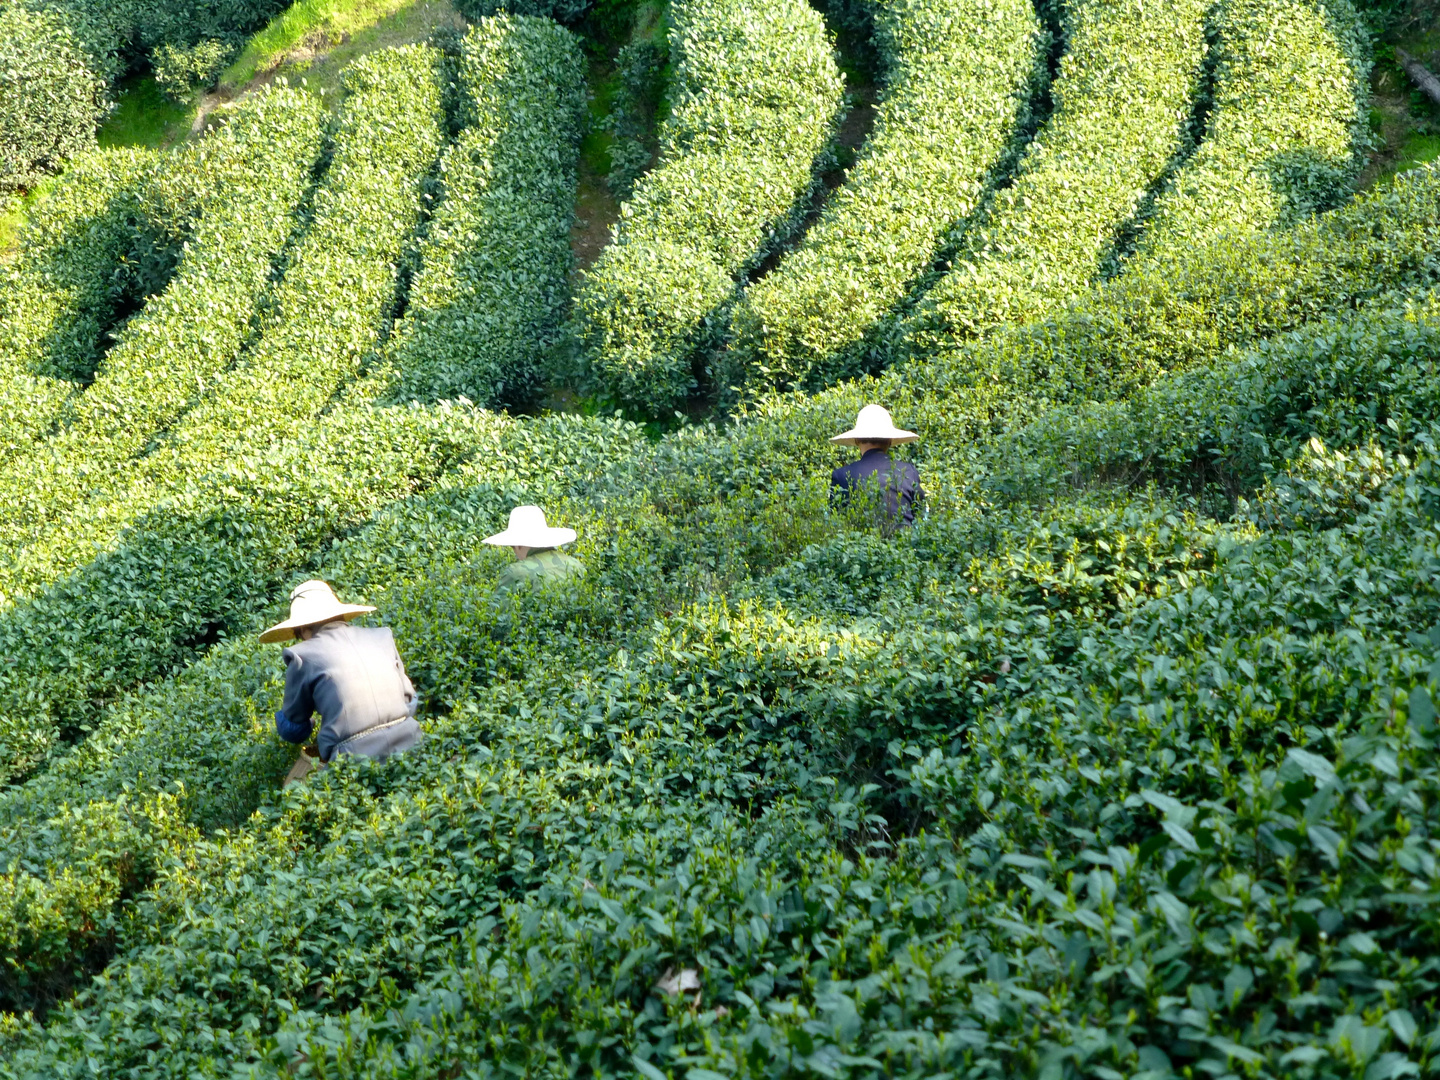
(342, 639)
(372, 635)
(556, 564)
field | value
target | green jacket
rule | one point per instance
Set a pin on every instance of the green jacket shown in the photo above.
(536, 569)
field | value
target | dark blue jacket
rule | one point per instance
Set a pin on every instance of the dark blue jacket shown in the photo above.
(354, 677)
(899, 480)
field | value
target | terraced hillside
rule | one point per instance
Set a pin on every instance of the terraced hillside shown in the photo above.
(1119, 762)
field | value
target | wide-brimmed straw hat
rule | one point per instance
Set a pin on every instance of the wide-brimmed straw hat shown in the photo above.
(874, 425)
(312, 603)
(527, 528)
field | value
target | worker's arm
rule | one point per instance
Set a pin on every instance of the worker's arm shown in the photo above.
(294, 722)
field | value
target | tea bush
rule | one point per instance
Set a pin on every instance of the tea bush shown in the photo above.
(50, 98)
(492, 288)
(181, 70)
(640, 68)
(1120, 762)
(958, 88)
(90, 249)
(258, 165)
(753, 102)
(58, 59)
(64, 875)
(1122, 98)
(565, 11)
(1286, 128)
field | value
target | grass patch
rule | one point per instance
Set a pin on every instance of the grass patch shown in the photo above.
(1418, 149)
(144, 116)
(15, 209)
(12, 217)
(310, 28)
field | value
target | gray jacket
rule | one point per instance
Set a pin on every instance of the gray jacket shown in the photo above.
(354, 677)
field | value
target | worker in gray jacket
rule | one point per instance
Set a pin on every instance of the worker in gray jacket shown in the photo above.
(351, 675)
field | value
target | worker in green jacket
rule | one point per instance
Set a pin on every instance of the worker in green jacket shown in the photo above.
(537, 556)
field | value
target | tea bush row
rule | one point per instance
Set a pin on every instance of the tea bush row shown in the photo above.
(199, 736)
(1286, 127)
(1122, 102)
(1198, 430)
(90, 249)
(322, 321)
(1164, 315)
(754, 99)
(959, 82)
(493, 284)
(192, 331)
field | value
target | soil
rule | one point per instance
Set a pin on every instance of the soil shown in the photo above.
(596, 210)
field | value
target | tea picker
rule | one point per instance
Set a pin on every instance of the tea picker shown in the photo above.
(351, 675)
(537, 556)
(895, 484)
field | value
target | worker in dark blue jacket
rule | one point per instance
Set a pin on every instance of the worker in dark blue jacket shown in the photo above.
(894, 485)
(351, 675)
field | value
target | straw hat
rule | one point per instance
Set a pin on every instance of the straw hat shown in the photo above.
(527, 528)
(312, 603)
(873, 425)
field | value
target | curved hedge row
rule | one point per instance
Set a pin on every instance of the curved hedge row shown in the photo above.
(1201, 427)
(1122, 99)
(261, 160)
(755, 97)
(1287, 125)
(960, 77)
(82, 256)
(50, 99)
(1163, 315)
(494, 270)
(209, 724)
(323, 320)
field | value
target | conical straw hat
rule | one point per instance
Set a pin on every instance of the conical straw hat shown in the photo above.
(527, 528)
(311, 603)
(872, 425)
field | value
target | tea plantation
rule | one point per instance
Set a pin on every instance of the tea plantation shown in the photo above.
(1120, 762)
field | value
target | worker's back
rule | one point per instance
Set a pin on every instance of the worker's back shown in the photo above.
(896, 484)
(354, 678)
(536, 569)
